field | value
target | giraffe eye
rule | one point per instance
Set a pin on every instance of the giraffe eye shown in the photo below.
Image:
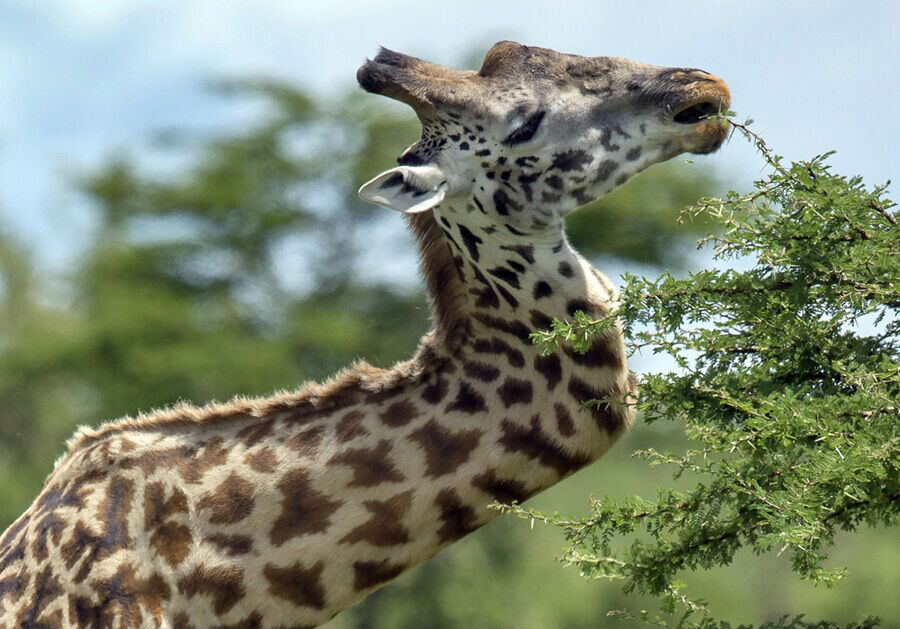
(526, 131)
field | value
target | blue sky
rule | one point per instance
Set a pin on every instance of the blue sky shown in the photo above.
(80, 79)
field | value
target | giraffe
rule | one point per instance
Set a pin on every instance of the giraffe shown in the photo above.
(283, 511)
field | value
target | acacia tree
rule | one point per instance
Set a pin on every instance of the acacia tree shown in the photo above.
(786, 380)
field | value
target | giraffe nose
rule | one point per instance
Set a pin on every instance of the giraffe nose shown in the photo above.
(712, 85)
(705, 95)
(718, 85)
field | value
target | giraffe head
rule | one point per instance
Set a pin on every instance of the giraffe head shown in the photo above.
(535, 133)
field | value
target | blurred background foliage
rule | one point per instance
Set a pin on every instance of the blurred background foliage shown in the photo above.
(248, 265)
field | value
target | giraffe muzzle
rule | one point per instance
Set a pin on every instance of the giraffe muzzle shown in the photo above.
(699, 114)
(695, 113)
(706, 96)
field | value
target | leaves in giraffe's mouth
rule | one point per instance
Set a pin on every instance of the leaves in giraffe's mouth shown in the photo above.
(696, 113)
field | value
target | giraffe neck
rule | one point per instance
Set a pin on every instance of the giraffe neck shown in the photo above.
(486, 276)
(491, 288)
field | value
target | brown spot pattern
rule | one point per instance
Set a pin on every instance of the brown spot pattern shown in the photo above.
(264, 460)
(255, 432)
(172, 541)
(13, 586)
(399, 414)
(306, 442)
(80, 540)
(368, 574)
(253, 621)
(541, 289)
(576, 305)
(304, 510)
(350, 426)
(114, 510)
(468, 400)
(167, 458)
(385, 526)
(212, 454)
(536, 444)
(371, 466)
(182, 621)
(48, 526)
(502, 490)
(550, 368)
(515, 391)
(445, 450)
(513, 327)
(158, 508)
(83, 612)
(13, 551)
(601, 353)
(46, 590)
(297, 584)
(458, 519)
(223, 584)
(540, 320)
(124, 595)
(49, 522)
(437, 391)
(112, 516)
(481, 371)
(608, 418)
(230, 502)
(232, 544)
(499, 346)
(564, 422)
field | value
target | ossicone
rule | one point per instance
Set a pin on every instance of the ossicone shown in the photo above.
(422, 85)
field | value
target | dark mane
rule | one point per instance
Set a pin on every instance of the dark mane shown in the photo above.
(436, 263)
(358, 383)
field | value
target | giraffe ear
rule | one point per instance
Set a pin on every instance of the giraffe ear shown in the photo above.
(409, 189)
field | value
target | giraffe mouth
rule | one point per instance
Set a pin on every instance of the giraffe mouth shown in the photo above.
(697, 112)
(704, 128)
